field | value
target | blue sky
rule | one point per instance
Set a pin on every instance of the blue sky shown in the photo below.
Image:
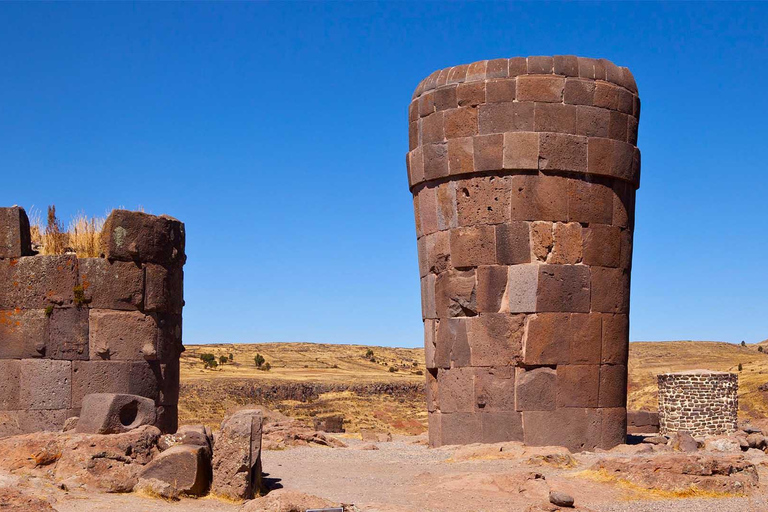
(277, 133)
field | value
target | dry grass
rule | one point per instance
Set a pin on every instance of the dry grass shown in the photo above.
(81, 237)
(640, 492)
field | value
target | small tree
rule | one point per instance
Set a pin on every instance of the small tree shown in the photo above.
(392, 369)
(231, 357)
(213, 364)
(760, 348)
(743, 344)
(259, 360)
(740, 367)
(209, 360)
(223, 360)
(267, 367)
(369, 354)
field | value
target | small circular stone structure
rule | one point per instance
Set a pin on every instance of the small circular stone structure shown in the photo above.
(702, 402)
(523, 173)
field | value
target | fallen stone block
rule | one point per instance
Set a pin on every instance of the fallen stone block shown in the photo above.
(194, 435)
(237, 456)
(185, 468)
(112, 413)
(333, 424)
(284, 500)
(375, 437)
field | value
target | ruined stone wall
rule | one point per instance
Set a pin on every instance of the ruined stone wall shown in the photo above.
(73, 326)
(523, 173)
(701, 402)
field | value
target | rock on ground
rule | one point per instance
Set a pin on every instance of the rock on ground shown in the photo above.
(12, 500)
(237, 456)
(283, 500)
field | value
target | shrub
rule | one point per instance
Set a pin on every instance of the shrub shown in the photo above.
(231, 357)
(259, 360)
(740, 367)
(266, 367)
(760, 348)
(392, 369)
(223, 360)
(209, 360)
(743, 344)
(369, 354)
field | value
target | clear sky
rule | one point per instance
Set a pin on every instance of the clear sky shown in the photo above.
(277, 133)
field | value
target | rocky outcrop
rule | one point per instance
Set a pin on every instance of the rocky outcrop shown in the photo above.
(286, 433)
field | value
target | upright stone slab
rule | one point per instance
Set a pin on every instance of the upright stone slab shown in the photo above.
(237, 456)
(701, 402)
(523, 173)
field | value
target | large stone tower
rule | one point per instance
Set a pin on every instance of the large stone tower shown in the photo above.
(523, 173)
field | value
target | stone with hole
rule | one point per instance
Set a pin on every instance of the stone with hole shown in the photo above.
(113, 413)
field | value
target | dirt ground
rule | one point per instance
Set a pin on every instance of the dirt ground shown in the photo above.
(404, 475)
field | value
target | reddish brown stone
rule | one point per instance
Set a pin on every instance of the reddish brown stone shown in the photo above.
(471, 94)
(9, 386)
(112, 285)
(36, 282)
(495, 339)
(427, 204)
(578, 385)
(495, 389)
(501, 426)
(625, 263)
(540, 64)
(502, 90)
(432, 390)
(430, 343)
(505, 117)
(437, 251)
(577, 429)
(455, 294)
(586, 67)
(563, 288)
(45, 384)
(164, 289)
(513, 243)
(585, 338)
(461, 158)
(567, 246)
(535, 389)
(632, 130)
(460, 122)
(617, 126)
(428, 299)
(23, 333)
(592, 121)
(562, 152)
(488, 150)
(456, 389)
(602, 245)
(539, 198)
(452, 346)
(554, 117)
(611, 158)
(435, 437)
(414, 138)
(540, 88)
(589, 202)
(472, 246)
(567, 65)
(542, 240)
(447, 216)
(433, 128)
(497, 68)
(458, 74)
(435, 161)
(491, 285)
(426, 104)
(114, 413)
(445, 98)
(579, 92)
(15, 238)
(610, 290)
(476, 71)
(613, 427)
(518, 66)
(615, 339)
(521, 151)
(482, 200)
(137, 378)
(416, 166)
(606, 95)
(546, 340)
(613, 386)
(68, 334)
(520, 296)
(460, 428)
(137, 236)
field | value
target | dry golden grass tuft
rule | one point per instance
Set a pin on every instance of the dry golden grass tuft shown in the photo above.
(81, 236)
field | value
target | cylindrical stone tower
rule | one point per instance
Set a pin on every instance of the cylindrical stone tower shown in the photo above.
(701, 402)
(523, 174)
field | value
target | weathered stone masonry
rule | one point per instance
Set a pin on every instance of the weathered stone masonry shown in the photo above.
(73, 326)
(523, 173)
(701, 402)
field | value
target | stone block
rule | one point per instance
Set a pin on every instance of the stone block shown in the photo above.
(458, 74)
(143, 378)
(430, 340)
(36, 282)
(495, 389)
(15, 239)
(445, 98)
(554, 117)
(461, 156)
(428, 301)
(602, 245)
(491, 285)
(456, 294)
(610, 290)
(567, 65)
(476, 71)
(563, 288)
(612, 158)
(567, 244)
(482, 200)
(456, 389)
(460, 122)
(505, 117)
(613, 427)
(540, 88)
(435, 161)
(164, 289)
(589, 202)
(587, 67)
(522, 286)
(9, 424)
(615, 339)
(183, 469)
(10, 377)
(112, 285)
(45, 384)
(452, 345)
(585, 338)
(23, 333)
(500, 91)
(437, 249)
(578, 91)
(562, 152)
(488, 152)
(433, 129)
(470, 94)
(460, 428)
(472, 246)
(576, 429)
(535, 389)
(495, 339)
(432, 390)
(427, 200)
(113, 413)
(415, 162)
(578, 385)
(539, 198)
(414, 137)
(122, 335)
(435, 437)
(497, 68)
(43, 420)
(617, 126)
(137, 236)
(237, 456)
(518, 66)
(427, 104)
(607, 96)
(613, 386)
(542, 240)
(592, 121)
(501, 426)
(513, 243)
(68, 334)
(167, 418)
(547, 340)
(521, 151)
(540, 64)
